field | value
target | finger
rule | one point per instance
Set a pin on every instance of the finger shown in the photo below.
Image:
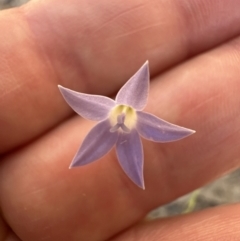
(49, 195)
(5, 232)
(82, 44)
(220, 223)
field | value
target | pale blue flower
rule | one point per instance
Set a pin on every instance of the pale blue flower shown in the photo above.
(121, 122)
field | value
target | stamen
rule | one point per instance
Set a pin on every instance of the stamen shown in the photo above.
(124, 128)
(114, 128)
(121, 118)
(120, 124)
(124, 117)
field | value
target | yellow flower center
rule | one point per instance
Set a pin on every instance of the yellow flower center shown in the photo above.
(125, 113)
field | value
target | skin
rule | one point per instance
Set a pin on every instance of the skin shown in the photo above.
(94, 47)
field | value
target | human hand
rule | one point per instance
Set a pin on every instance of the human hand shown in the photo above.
(94, 47)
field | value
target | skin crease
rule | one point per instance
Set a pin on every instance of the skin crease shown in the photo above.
(82, 45)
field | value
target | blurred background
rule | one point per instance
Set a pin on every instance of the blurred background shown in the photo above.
(222, 191)
(11, 3)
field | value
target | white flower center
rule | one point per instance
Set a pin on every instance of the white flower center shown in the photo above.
(124, 117)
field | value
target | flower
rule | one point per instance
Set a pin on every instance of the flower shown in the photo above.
(121, 122)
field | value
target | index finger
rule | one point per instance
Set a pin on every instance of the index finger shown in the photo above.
(93, 46)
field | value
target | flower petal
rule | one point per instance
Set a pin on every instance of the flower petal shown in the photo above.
(97, 143)
(156, 129)
(92, 107)
(135, 91)
(130, 156)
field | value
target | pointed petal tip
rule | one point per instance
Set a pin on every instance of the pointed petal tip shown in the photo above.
(61, 88)
(191, 131)
(141, 184)
(145, 65)
(146, 62)
(74, 164)
(71, 166)
(142, 187)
